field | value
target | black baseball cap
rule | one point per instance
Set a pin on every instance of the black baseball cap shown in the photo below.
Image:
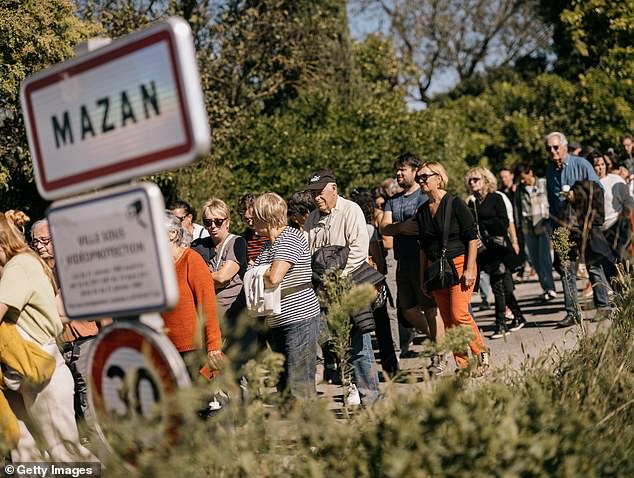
(319, 179)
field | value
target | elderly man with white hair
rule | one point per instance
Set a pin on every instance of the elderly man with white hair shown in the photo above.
(563, 171)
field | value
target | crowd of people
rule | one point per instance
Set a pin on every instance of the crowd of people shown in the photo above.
(441, 246)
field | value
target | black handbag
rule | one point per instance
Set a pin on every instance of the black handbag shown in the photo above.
(326, 258)
(496, 244)
(442, 272)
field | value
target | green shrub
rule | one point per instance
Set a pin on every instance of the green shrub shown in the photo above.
(566, 413)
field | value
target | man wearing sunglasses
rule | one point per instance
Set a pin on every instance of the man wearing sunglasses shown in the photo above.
(563, 171)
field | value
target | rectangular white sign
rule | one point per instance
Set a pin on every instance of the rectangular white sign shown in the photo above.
(112, 253)
(131, 108)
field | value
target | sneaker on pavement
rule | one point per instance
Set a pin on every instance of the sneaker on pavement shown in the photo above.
(353, 399)
(499, 332)
(517, 324)
(552, 294)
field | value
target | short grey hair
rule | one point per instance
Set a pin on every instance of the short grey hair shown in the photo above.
(172, 223)
(36, 224)
(562, 138)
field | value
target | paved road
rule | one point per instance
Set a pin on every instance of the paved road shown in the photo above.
(539, 335)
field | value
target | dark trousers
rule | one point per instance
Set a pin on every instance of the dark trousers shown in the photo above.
(502, 287)
(383, 332)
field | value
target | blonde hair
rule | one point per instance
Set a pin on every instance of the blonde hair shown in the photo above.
(271, 209)
(215, 204)
(490, 181)
(13, 243)
(440, 170)
(18, 218)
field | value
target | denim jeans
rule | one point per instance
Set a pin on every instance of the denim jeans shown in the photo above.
(485, 286)
(298, 343)
(571, 297)
(600, 273)
(539, 252)
(364, 366)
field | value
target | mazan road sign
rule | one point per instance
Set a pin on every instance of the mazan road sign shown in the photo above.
(112, 253)
(130, 108)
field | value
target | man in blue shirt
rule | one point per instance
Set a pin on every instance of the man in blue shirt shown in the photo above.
(562, 172)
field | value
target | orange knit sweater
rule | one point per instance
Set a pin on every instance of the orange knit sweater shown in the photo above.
(196, 292)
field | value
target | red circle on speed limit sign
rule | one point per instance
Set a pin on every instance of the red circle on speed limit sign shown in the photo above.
(134, 372)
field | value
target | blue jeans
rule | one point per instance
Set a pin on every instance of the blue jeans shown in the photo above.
(539, 252)
(571, 297)
(298, 343)
(600, 283)
(485, 286)
(364, 366)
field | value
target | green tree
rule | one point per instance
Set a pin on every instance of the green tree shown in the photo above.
(456, 38)
(590, 34)
(33, 36)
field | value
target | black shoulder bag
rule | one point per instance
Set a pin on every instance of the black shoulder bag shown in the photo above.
(442, 272)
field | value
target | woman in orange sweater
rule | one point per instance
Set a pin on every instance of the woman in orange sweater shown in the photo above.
(197, 298)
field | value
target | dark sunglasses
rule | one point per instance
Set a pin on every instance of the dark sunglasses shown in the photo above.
(181, 219)
(215, 222)
(550, 148)
(473, 180)
(422, 178)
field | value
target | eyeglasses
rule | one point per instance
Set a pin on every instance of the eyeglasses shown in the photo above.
(473, 180)
(181, 219)
(215, 222)
(45, 241)
(422, 178)
(554, 147)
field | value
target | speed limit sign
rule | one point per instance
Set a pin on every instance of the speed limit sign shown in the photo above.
(134, 371)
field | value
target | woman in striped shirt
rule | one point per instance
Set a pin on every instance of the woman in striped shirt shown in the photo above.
(293, 332)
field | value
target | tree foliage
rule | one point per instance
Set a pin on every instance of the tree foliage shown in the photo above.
(33, 36)
(440, 39)
(288, 92)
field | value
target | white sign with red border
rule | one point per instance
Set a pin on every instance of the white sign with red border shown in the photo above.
(112, 253)
(134, 372)
(128, 109)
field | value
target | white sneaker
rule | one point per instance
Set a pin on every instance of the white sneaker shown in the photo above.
(552, 294)
(352, 399)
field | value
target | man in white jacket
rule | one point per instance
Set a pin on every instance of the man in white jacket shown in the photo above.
(339, 222)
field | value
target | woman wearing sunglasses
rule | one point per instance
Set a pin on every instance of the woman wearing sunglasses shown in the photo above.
(495, 250)
(461, 246)
(226, 257)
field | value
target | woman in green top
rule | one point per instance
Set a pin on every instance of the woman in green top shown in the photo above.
(27, 299)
